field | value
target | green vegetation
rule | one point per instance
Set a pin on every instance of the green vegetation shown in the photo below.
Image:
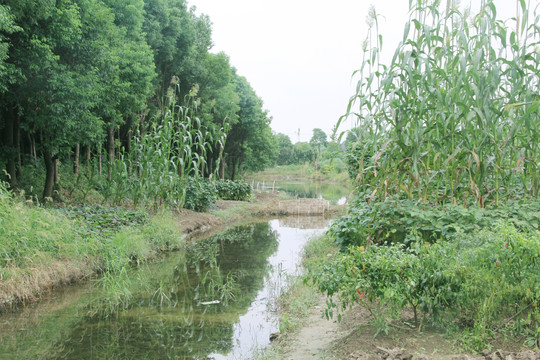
(40, 247)
(233, 190)
(392, 220)
(128, 96)
(445, 160)
(478, 281)
(454, 117)
(125, 105)
(32, 234)
(317, 159)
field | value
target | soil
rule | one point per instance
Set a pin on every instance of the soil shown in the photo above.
(315, 340)
(353, 339)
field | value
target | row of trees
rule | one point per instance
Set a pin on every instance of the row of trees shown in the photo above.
(302, 152)
(79, 77)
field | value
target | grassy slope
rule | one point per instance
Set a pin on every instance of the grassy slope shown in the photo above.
(43, 248)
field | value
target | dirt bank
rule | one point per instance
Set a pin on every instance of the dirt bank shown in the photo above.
(264, 205)
(353, 339)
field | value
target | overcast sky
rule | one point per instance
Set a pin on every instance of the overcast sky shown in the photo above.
(299, 55)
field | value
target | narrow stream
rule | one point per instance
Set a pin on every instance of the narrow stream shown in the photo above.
(216, 300)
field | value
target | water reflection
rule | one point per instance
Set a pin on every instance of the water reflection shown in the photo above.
(213, 302)
(305, 222)
(335, 193)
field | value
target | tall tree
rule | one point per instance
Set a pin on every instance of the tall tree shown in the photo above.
(250, 143)
(318, 140)
(286, 150)
(7, 148)
(171, 35)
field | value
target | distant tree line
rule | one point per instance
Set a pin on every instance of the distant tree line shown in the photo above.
(319, 148)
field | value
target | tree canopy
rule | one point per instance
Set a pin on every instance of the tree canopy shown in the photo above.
(85, 74)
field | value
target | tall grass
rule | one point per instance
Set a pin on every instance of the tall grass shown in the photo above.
(30, 235)
(162, 160)
(42, 248)
(455, 116)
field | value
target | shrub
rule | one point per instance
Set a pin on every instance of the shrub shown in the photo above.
(392, 220)
(476, 282)
(233, 190)
(200, 193)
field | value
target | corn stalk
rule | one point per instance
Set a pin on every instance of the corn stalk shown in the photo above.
(455, 116)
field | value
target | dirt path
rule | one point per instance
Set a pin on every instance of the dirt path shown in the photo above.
(353, 339)
(315, 338)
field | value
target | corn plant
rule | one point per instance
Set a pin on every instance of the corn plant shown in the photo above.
(161, 158)
(455, 116)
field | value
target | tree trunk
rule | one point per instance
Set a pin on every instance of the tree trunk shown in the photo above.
(56, 186)
(240, 164)
(221, 162)
(211, 167)
(110, 150)
(56, 177)
(18, 171)
(233, 174)
(8, 140)
(32, 141)
(100, 165)
(88, 156)
(222, 168)
(49, 174)
(76, 161)
(129, 137)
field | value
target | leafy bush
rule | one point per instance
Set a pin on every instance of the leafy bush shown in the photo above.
(233, 190)
(200, 193)
(476, 281)
(392, 220)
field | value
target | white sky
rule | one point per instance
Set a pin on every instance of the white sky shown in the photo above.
(299, 55)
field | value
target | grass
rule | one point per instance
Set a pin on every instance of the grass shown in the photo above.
(43, 248)
(304, 171)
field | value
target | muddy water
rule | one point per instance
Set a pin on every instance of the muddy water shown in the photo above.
(216, 300)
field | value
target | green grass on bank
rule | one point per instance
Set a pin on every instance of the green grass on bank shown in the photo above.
(101, 239)
(327, 172)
